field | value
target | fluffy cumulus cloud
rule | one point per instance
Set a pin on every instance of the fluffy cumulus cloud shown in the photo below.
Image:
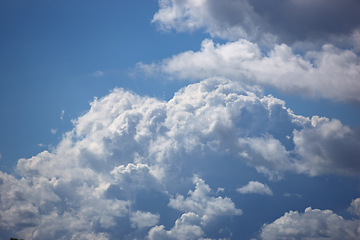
(326, 143)
(186, 227)
(199, 209)
(255, 187)
(200, 203)
(290, 21)
(263, 38)
(330, 73)
(355, 207)
(127, 168)
(312, 224)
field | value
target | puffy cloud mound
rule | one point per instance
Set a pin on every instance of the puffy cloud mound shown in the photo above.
(200, 203)
(186, 227)
(312, 224)
(115, 174)
(355, 207)
(322, 147)
(199, 208)
(255, 187)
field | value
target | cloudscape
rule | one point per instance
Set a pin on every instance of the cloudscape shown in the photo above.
(168, 119)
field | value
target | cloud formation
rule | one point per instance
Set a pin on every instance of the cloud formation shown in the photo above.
(263, 38)
(255, 187)
(271, 21)
(312, 224)
(130, 161)
(199, 210)
(330, 73)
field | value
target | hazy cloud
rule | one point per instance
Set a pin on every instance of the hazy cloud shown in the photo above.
(98, 73)
(62, 114)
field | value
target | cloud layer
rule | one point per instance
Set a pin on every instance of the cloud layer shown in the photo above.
(130, 162)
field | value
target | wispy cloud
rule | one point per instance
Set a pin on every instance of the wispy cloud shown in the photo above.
(98, 73)
(62, 114)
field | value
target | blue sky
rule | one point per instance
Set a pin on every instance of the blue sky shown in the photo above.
(179, 119)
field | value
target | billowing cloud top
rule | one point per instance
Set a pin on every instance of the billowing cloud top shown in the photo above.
(131, 161)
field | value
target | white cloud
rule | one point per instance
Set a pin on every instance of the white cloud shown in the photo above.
(255, 187)
(329, 73)
(355, 207)
(144, 219)
(53, 131)
(312, 224)
(201, 203)
(199, 208)
(186, 227)
(128, 148)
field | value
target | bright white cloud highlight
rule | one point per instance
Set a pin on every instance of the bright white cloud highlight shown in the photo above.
(255, 187)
